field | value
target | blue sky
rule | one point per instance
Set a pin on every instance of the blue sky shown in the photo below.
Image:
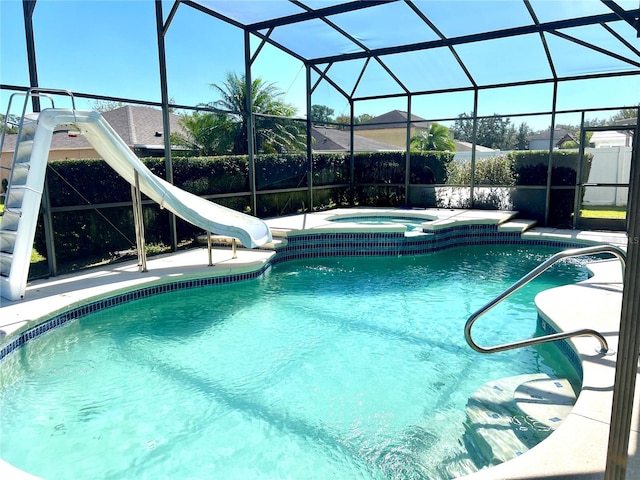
(109, 48)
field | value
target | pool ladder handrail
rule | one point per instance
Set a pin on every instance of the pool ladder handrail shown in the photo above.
(574, 252)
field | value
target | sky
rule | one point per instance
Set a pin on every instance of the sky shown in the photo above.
(110, 48)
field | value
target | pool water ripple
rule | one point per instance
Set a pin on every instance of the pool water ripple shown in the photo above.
(335, 368)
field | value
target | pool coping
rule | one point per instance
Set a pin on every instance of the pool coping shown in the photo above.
(597, 299)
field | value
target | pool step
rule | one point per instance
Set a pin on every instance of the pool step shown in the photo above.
(507, 417)
(516, 225)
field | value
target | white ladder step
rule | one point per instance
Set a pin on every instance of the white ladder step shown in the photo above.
(14, 198)
(23, 154)
(5, 263)
(19, 174)
(7, 241)
(11, 219)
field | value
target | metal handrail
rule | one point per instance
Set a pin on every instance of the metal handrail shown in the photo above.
(575, 252)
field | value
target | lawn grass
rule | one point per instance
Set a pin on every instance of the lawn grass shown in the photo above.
(618, 213)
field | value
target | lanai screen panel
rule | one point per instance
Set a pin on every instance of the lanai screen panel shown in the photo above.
(425, 46)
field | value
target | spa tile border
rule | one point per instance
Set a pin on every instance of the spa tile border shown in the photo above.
(353, 244)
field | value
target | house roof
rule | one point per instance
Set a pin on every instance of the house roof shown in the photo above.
(332, 139)
(392, 119)
(611, 139)
(560, 135)
(137, 125)
(624, 121)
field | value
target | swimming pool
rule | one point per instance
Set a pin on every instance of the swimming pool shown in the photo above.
(338, 368)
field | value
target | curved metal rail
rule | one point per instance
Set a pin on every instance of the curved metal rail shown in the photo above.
(575, 252)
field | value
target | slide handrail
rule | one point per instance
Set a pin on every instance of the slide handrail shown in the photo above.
(575, 252)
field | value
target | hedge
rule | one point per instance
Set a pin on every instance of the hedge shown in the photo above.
(530, 167)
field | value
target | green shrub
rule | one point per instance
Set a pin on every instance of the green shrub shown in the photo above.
(489, 171)
(209, 175)
(281, 171)
(330, 169)
(379, 196)
(428, 168)
(379, 167)
(531, 167)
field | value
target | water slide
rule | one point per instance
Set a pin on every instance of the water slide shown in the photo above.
(26, 182)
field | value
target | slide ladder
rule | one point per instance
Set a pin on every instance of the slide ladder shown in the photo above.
(17, 176)
(26, 182)
(23, 193)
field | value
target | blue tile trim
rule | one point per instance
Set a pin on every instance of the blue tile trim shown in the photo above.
(316, 245)
(387, 244)
(95, 306)
(563, 345)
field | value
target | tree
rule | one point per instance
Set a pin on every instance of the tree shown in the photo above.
(106, 105)
(365, 117)
(463, 128)
(624, 114)
(493, 132)
(208, 133)
(437, 138)
(321, 113)
(11, 126)
(522, 137)
(226, 133)
(346, 119)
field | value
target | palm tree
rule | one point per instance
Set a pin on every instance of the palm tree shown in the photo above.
(208, 133)
(437, 138)
(221, 133)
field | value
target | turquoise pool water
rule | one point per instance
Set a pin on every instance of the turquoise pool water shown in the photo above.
(326, 369)
(412, 223)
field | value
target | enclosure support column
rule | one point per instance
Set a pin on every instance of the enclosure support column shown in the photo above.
(309, 138)
(352, 168)
(166, 124)
(474, 142)
(407, 155)
(28, 7)
(578, 189)
(250, 126)
(629, 336)
(550, 162)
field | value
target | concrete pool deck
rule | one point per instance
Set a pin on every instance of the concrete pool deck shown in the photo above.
(577, 449)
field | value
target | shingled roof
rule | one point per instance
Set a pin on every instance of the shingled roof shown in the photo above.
(560, 135)
(392, 119)
(140, 127)
(334, 140)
